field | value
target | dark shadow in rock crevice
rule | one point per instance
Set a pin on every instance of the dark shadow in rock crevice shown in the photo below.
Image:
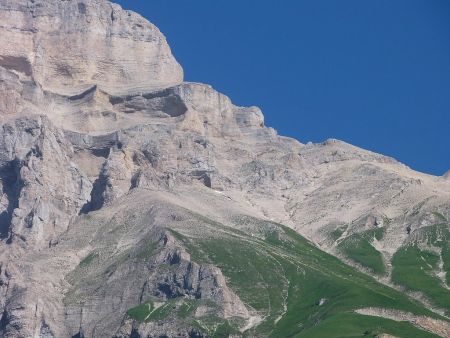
(4, 321)
(79, 335)
(166, 101)
(11, 188)
(97, 196)
(135, 334)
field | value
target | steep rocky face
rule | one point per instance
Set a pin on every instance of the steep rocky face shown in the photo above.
(137, 205)
(41, 187)
(65, 45)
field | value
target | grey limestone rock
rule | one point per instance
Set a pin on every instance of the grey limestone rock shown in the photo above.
(102, 43)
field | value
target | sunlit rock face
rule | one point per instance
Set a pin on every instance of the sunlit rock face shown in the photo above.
(68, 45)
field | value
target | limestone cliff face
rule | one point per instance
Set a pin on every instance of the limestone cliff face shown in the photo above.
(42, 187)
(111, 167)
(66, 46)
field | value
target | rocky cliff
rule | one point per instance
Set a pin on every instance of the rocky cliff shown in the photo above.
(67, 46)
(134, 204)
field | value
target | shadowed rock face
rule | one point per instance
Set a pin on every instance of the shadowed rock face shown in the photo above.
(122, 186)
(42, 187)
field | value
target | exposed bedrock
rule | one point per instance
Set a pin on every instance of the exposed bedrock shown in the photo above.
(41, 187)
(129, 52)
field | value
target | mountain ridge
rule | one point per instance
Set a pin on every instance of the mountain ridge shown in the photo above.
(134, 204)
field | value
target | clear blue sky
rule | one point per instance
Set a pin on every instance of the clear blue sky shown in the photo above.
(373, 73)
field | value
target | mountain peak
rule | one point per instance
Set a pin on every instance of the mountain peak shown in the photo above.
(67, 46)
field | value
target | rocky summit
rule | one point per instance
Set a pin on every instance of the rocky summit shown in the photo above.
(134, 204)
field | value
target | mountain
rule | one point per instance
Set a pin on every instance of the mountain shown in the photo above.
(134, 204)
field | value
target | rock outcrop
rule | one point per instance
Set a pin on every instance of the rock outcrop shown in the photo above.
(42, 189)
(102, 45)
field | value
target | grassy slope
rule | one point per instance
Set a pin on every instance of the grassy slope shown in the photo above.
(415, 267)
(358, 248)
(184, 310)
(298, 289)
(351, 325)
